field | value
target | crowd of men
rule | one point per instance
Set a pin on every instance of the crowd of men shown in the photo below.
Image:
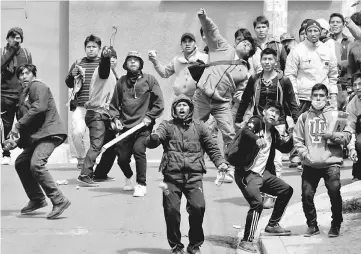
(270, 97)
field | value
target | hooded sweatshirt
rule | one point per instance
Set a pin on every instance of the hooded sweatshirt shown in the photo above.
(217, 81)
(183, 83)
(131, 103)
(353, 109)
(184, 142)
(257, 92)
(316, 151)
(308, 64)
(12, 58)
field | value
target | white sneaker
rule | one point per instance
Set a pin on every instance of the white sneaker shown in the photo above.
(128, 185)
(139, 191)
(5, 161)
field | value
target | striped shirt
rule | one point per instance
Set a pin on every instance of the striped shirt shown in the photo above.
(89, 66)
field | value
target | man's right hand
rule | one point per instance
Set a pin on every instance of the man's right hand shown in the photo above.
(117, 125)
(154, 136)
(14, 44)
(353, 155)
(75, 71)
(261, 142)
(202, 13)
(152, 56)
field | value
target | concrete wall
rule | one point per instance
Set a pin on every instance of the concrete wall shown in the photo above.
(54, 31)
(46, 38)
(143, 26)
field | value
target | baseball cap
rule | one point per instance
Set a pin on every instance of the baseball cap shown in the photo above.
(189, 35)
(286, 36)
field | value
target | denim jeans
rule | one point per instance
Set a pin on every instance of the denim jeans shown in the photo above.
(80, 132)
(8, 108)
(221, 111)
(281, 128)
(31, 168)
(356, 167)
(304, 106)
(310, 179)
(100, 134)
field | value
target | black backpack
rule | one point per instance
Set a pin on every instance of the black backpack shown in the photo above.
(240, 151)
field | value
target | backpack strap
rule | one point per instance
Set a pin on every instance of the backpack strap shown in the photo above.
(26, 54)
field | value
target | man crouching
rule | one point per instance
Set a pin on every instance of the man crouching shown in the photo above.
(257, 173)
(184, 141)
(41, 131)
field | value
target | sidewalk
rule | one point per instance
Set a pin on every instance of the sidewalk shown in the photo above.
(294, 219)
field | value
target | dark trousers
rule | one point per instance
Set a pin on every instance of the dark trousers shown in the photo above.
(356, 167)
(100, 134)
(8, 108)
(310, 179)
(251, 185)
(195, 207)
(30, 166)
(134, 145)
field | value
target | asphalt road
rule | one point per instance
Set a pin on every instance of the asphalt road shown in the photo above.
(108, 220)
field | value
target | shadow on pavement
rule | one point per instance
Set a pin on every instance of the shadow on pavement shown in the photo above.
(222, 241)
(64, 169)
(236, 201)
(114, 190)
(143, 251)
(5, 213)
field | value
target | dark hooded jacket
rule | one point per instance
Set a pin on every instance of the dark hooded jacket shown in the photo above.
(257, 93)
(184, 143)
(253, 131)
(38, 115)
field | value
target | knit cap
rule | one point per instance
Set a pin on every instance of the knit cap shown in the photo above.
(17, 30)
(313, 23)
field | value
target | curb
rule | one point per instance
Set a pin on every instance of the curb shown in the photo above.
(274, 244)
(271, 245)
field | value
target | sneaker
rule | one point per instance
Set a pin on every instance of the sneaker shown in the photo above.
(58, 209)
(87, 181)
(140, 191)
(6, 160)
(177, 250)
(128, 185)
(277, 230)
(247, 246)
(193, 250)
(294, 164)
(33, 205)
(355, 179)
(334, 231)
(300, 167)
(103, 179)
(227, 178)
(311, 231)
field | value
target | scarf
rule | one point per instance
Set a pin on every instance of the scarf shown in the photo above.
(13, 64)
(133, 76)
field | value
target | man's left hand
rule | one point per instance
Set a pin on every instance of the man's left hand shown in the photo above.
(147, 121)
(326, 135)
(14, 133)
